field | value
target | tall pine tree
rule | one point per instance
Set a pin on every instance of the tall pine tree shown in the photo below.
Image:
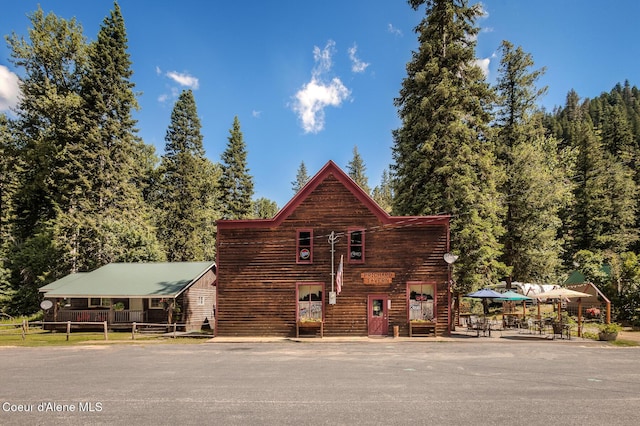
(236, 183)
(302, 177)
(121, 222)
(186, 195)
(49, 128)
(534, 188)
(357, 171)
(443, 159)
(383, 194)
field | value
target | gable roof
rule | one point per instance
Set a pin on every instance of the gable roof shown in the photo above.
(331, 169)
(130, 280)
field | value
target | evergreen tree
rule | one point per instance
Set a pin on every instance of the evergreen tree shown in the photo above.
(534, 190)
(604, 215)
(236, 183)
(9, 167)
(116, 202)
(357, 171)
(185, 193)
(49, 117)
(383, 194)
(49, 128)
(443, 161)
(301, 178)
(263, 208)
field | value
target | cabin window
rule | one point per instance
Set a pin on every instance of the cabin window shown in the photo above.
(99, 302)
(422, 301)
(310, 302)
(155, 303)
(200, 300)
(356, 246)
(304, 246)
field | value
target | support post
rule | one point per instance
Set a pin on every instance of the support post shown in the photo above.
(106, 334)
(68, 329)
(133, 331)
(580, 317)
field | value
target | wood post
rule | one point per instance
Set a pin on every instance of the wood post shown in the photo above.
(68, 329)
(106, 334)
(133, 331)
(174, 330)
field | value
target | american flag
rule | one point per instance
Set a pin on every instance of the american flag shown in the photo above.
(339, 276)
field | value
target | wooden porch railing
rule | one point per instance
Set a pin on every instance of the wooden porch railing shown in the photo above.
(112, 317)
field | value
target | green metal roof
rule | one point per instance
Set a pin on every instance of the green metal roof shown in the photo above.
(62, 281)
(130, 280)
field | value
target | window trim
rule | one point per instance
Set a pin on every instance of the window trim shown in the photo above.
(159, 306)
(432, 284)
(105, 302)
(310, 283)
(299, 247)
(362, 233)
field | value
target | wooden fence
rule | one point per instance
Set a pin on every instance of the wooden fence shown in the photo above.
(135, 327)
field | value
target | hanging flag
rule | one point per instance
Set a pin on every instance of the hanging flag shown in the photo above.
(339, 276)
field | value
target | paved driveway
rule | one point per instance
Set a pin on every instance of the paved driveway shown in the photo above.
(371, 382)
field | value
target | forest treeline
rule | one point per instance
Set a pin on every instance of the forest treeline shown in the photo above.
(533, 194)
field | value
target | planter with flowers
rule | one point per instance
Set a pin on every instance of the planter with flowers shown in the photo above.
(608, 332)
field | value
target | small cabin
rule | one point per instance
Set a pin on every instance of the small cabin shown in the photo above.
(333, 263)
(124, 293)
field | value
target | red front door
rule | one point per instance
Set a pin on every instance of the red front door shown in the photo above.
(378, 315)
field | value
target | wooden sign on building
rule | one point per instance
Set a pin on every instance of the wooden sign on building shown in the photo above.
(372, 278)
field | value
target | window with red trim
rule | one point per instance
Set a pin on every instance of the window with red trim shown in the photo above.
(310, 302)
(304, 246)
(422, 301)
(356, 246)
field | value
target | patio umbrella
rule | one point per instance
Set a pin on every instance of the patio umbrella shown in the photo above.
(485, 294)
(560, 294)
(512, 296)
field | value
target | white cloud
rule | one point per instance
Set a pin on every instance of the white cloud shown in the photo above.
(320, 92)
(9, 89)
(393, 30)
(184, 79)
(256, 114)
(357, 65)
(484, 65)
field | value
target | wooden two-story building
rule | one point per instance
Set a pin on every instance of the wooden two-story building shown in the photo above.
(332, 262)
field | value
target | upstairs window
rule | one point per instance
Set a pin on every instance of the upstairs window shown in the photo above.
(304, 246)
(356, 246)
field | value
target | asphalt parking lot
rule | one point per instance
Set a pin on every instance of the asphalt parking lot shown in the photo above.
(366, 382)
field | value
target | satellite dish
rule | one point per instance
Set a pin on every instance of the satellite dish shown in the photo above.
(46, 304)
(450, 258)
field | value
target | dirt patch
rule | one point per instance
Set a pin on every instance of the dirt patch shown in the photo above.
(629, 335)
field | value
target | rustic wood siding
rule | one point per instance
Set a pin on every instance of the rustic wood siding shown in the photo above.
(258, 273)
(194, 314)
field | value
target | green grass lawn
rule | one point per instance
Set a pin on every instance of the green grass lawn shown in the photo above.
(38, 337)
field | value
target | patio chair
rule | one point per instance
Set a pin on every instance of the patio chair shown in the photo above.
(472, 323)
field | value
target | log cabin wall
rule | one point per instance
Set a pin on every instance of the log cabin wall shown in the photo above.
(258, 273)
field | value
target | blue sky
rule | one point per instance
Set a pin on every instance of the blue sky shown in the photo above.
(311, 80)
